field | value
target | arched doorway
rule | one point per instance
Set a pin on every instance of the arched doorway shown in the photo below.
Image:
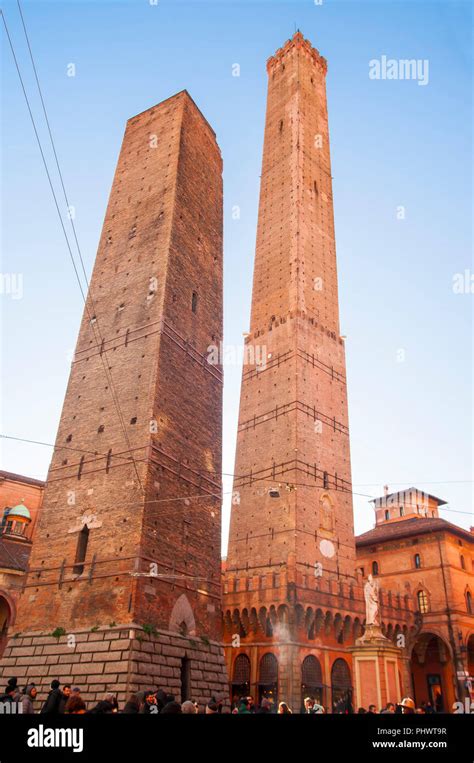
(5, 619)
(341, 687)
(432, 673)
(311, 680)
(268, 679)
(240, 678)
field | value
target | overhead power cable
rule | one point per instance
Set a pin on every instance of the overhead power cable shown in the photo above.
(95, 329)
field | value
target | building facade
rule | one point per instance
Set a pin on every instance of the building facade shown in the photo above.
(415, 553)
(20, 504)
(295, 575)
(293, 605)
(124, 589)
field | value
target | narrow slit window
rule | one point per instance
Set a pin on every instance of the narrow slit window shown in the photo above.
(81, 551)
(194, 302)
(185, 679)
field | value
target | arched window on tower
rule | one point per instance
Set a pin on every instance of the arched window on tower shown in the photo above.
(469, 602)
(463, 563)
(417, 561)
(268, 678)
(311, 680)
(341, 686)
(241, 676)
(375, 568)
(81, 551)
(423, 605)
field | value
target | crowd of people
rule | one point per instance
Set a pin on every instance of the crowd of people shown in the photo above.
(312, 707)
(67, 699)
(406, 707)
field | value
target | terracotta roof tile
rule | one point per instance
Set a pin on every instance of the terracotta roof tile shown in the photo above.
(14, 555)
(21, 478)
(410, 527)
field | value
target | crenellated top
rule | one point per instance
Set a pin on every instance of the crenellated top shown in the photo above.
(297, 41)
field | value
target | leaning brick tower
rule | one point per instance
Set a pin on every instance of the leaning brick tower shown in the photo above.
(290, 566)
(125, 567)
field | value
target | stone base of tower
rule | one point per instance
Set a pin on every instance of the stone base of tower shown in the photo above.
(377, 666)
(122, 659)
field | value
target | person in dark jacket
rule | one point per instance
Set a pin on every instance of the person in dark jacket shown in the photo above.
(102, 708)
(171, 707)
(66, 693)
(111, 697)
(54, 700)
(13, 682)
(219, 703)
(161, 699)
(149, 705)
(132, 705)
(28, 698)
(75, 705)
(9, 695)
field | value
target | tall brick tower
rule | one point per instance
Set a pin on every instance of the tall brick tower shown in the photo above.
(125, 567)
(291, 546)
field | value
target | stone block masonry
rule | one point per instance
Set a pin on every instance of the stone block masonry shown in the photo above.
(122, 659)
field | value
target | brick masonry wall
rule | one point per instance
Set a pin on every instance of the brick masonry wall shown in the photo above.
(122, 659)
(293, 419)
(161, 244)
(153, 550)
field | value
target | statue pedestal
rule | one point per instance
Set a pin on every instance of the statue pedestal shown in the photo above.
(376, 670)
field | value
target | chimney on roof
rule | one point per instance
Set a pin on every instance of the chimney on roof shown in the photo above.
(385, 489)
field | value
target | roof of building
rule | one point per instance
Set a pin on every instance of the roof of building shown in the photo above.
(179, 94)
(387, 497)
(19, 511)
(21, 478)
(14, 555)
(410, 527)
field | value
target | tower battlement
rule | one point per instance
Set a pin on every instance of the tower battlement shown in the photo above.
(298, 41)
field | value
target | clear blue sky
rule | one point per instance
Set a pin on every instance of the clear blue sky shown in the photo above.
(394, 143)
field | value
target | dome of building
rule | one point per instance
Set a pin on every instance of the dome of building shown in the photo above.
(19, 511)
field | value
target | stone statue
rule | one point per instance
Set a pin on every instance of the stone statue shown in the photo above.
(372, 606)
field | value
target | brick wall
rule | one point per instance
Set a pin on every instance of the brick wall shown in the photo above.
(138, 451)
